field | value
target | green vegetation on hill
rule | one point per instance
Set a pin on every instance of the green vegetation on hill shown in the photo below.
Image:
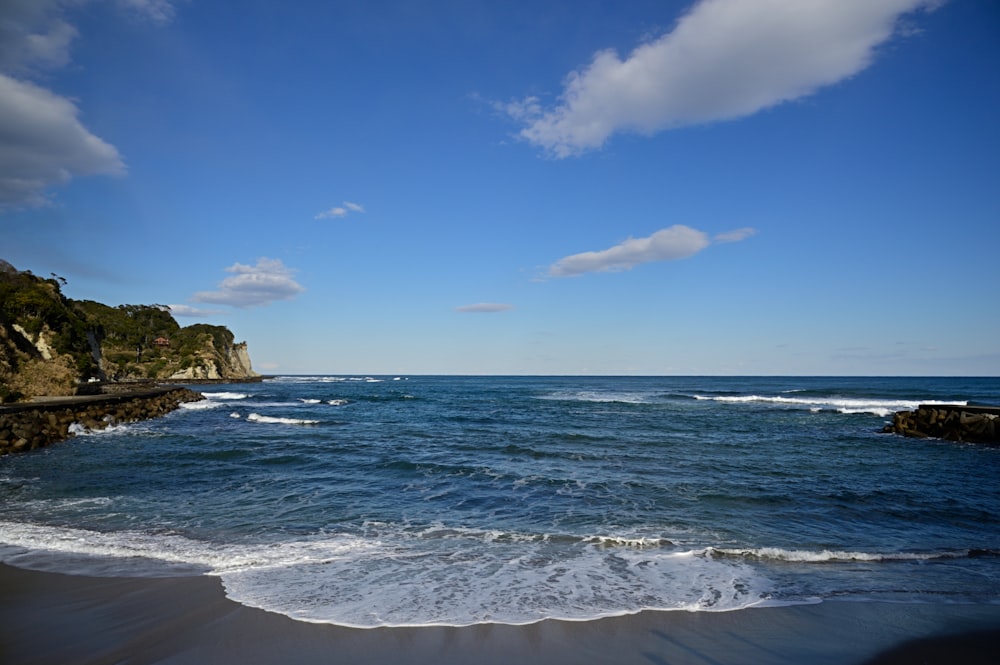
(50, 344)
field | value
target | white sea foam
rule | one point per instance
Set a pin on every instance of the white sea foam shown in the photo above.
(79, 429)
(398, 576)
(394, 577)
(622, 541)
(832, 556)
(599, 396)
(224, 395)
(257, 418)
(309, 401)
(846, 405)
(325, 379)
(338, 402)
(200, 405)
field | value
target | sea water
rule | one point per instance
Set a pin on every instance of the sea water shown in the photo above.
(416, 500)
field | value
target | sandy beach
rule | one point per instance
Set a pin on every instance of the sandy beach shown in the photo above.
(48, 618)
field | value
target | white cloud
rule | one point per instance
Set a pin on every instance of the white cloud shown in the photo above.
(34, 36)
(735, 235)
(675, 242)
(253, 286)
(43, 143)
(485, 307)
(337, 212)
(188, 310)
(725, 59)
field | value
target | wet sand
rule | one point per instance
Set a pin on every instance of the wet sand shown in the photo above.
(49, 618)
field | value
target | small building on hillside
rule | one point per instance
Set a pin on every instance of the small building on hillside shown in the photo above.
(161, 342)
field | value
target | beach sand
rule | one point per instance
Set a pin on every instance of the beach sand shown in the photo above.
(49, 618)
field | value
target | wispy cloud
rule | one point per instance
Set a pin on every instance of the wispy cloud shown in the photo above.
(669, 244)
(485, 307)
(675, 242)
(724, 59)
(253, 286)
(735, 235)
(43, 144)
(159, 11)
(189, 311)
(343, 210)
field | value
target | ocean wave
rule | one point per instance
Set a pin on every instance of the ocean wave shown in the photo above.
(225, 395)
(326, 379)
(79, 429)
(836, 556)
(600, 396)
(200, 405)
(274, 420)
(845, 405)
(394, 577)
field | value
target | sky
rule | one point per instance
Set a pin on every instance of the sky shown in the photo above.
(580, 187)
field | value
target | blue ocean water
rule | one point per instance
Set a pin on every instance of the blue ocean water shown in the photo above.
(374, 501)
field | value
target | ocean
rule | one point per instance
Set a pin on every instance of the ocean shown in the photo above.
(440, 500)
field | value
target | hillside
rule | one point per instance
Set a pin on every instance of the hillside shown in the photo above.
(53, 345)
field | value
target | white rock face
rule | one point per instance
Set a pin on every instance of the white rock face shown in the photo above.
(206, 371)
(239, 359)
(41, 344)
(235, 365)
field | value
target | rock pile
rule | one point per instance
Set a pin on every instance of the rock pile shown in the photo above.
(26, 427)
(977, 424)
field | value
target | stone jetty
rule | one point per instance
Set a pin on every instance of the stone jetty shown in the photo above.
(37, 424)
(975, 424)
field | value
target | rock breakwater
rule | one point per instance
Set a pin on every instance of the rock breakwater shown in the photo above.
(975, 424)
(35, 425)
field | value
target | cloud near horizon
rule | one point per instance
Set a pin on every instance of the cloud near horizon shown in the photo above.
(344, 210)
(485, 307)
(43, 144)
(669, 244)
(253, 286)
(724, 59)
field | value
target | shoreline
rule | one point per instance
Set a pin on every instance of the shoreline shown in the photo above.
(48, 618)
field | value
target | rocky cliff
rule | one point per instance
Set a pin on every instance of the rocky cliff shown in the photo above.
(52, 345)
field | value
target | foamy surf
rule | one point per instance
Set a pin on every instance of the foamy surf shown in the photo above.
(878, 407)
(400, 578)
(275, 420)
(225, 395)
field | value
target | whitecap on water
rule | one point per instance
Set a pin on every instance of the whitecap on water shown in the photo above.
(405, 578)
(200, 405)
(845, 405)
(257, 418)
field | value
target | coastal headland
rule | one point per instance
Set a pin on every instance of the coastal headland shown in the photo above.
(31, 425)
(51, 345)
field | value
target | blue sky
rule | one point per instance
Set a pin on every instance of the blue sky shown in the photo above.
(520, 187)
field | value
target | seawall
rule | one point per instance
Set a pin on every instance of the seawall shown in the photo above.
(38, 424)
(975, 424)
